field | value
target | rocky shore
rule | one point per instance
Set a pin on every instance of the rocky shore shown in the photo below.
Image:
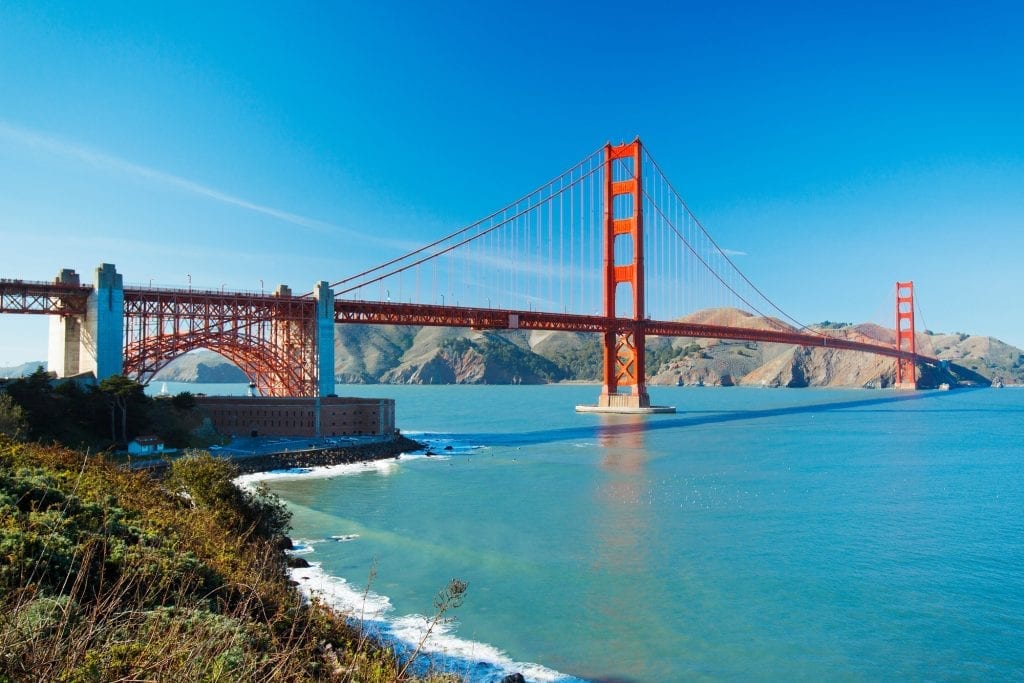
(323, 457)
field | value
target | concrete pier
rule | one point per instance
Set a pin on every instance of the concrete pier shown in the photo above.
(324, 338)
(65, 338)
(93, 342)
(624, 404)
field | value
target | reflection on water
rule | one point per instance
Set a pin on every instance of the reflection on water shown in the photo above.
(623, 448)
(622, 524)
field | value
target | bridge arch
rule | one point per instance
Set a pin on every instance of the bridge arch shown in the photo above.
(264, 364)
(272, 339)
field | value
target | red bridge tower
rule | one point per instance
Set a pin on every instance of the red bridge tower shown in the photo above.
(624, 265)
(906, 372)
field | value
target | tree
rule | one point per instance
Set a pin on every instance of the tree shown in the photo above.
(121, 394)
(184, 401)
(12, 419)
(34, 395)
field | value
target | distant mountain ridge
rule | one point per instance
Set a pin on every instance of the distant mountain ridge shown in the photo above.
(390, 354)
(22, 370)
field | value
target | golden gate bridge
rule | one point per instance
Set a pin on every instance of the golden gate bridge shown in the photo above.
(606, 247)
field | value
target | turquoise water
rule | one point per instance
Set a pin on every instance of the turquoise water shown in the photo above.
(756, 534)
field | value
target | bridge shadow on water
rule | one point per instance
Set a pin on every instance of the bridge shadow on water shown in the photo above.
(611, 425)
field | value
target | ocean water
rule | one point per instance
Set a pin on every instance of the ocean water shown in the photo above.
(757, 534)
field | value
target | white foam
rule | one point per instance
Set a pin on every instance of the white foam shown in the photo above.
(301, 547)
(382, 467)
(420, 456)
(441, 649)
(446, 649)
(340, 594)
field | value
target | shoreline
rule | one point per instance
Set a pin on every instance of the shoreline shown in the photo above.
(253, 462)
(444, 650)
(324, 457)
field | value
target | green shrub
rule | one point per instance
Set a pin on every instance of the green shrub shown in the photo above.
(209, 483)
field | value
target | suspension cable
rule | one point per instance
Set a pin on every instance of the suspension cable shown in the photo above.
(700, 225)
(463, 242)
(525, 198)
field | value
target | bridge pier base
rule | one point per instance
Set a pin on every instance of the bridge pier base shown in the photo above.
(626, 404)
(93, 342)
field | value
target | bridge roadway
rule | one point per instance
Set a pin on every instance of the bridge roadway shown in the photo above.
(384, 313)
(20, 296)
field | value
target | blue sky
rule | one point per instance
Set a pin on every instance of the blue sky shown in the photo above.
(839, 147)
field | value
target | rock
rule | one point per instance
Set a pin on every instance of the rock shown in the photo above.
(448, 448)
(297, 562)
(514, 678)
(284, 543)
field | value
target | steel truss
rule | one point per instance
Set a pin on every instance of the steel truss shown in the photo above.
(43, 298)
(271, 338)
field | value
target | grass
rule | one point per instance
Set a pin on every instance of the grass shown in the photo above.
(107, 574)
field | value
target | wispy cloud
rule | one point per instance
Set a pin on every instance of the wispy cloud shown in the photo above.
(733, 252)
(110, 162)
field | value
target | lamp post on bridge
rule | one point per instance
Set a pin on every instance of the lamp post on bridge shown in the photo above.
(189, 276)
(442, 299)
(261, 287)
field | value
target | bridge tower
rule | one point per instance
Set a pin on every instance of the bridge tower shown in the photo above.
(92, 342)
(65, 338)
(324, 296)
(624, 265)
(906, 372)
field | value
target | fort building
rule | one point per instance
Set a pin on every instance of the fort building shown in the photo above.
(299, 416)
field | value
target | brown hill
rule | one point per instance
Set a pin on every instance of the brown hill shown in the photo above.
(430, 355)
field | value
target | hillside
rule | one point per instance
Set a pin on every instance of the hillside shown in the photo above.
(23, 370)
(367, 354)
(202, 367)
(108, 574)
(198, 366)
(441, 355)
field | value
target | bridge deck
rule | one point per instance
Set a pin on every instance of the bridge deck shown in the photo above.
(21, 296)
(382, 313)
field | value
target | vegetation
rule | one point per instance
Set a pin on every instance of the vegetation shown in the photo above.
(39, 408)
(582, 362)
(518, 362)
(659, 357)
(105, 574)
(500, 353)
(12, 419)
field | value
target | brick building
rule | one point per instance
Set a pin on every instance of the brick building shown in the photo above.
(262, 415)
